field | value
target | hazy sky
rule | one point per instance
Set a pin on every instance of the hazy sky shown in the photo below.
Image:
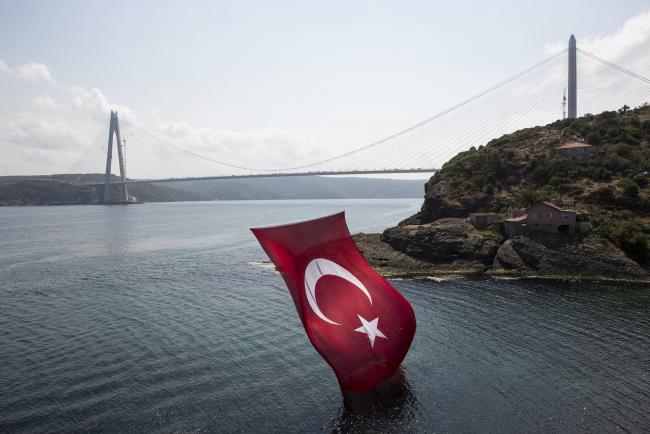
(270, 82)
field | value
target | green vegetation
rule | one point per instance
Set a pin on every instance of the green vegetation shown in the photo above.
(55, 190)
(63, 189)
(522, 168)
(628, 233)
(45, 193)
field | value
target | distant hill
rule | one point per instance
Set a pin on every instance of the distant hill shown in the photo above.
(45, 192)
(55, 192)
(64, 189)
(303, 187)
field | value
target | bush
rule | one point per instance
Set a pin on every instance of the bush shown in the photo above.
(594, 139)
(529, 198)
(629, 236)
(600, 174)
(630, 189)
(640, 180)
(645, 126)
(545, 168)
(570, 189)
(601, 196)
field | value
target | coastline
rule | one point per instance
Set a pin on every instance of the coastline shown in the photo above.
(393, 264)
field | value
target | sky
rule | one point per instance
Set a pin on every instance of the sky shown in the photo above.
(267, 84)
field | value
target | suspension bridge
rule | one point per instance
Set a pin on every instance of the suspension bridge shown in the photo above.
(569, 82)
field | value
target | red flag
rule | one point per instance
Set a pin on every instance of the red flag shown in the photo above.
(354, 318)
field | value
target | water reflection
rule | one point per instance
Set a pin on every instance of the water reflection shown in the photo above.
(390, 407)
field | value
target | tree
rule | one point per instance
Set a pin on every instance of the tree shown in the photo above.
(594, 139)
(630, 189)
(641, 180)
(631, 239)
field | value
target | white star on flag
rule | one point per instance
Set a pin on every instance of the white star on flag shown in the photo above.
(370, 329)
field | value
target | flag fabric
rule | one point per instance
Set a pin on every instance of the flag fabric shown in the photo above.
(355, 319)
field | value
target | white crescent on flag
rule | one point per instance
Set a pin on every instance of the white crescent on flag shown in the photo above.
(320, 267)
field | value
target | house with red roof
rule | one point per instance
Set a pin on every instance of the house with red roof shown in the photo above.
(576, 151)
(542, 217)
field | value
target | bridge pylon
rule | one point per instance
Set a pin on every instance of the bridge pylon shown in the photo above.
(122, 193)
(573, 79)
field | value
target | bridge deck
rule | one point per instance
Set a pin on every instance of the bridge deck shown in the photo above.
(275, 175)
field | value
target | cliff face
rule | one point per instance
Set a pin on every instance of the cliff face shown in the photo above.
(452, 246)
(492, 177)
(556, 255)
(447, 240)
(455, 243)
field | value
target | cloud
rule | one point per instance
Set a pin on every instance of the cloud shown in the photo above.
(602, 87)
(27, 130)
(94, 103)
(44, 102)
(269, 147)
(632, 42)
(32, 71)
(628, 47)
(78, 111)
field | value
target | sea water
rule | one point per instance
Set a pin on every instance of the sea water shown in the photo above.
(162, 318)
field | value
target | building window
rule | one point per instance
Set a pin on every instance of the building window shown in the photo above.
(537, 215)
(548, 214)
(565, 217)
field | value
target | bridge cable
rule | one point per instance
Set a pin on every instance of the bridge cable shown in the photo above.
(434, 117)
(620, 68)
(609, 71)
(87, 150)
(195, 154)
(371, 145)
(612, 79)
(485, 127)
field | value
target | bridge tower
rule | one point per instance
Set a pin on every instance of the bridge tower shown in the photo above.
(573, 83)
(114, 129)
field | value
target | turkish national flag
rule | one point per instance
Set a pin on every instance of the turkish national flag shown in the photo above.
(354, 318)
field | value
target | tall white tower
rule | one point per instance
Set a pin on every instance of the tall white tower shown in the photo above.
(573, 84)
(114, 129)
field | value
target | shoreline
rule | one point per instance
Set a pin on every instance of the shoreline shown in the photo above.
(393, 264)
(504, 276)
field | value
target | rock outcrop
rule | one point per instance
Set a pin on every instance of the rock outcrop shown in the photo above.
(445, 240)
(452, 246)
(390, 262)
(558, 255)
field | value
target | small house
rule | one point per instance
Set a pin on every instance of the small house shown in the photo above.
(516, 225)
(542, 217)
(516, 212)
(576, 151)
(481, 220)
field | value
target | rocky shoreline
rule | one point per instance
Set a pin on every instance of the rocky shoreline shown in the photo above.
(453, 247)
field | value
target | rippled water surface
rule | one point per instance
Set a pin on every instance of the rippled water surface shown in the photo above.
(157, 318)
